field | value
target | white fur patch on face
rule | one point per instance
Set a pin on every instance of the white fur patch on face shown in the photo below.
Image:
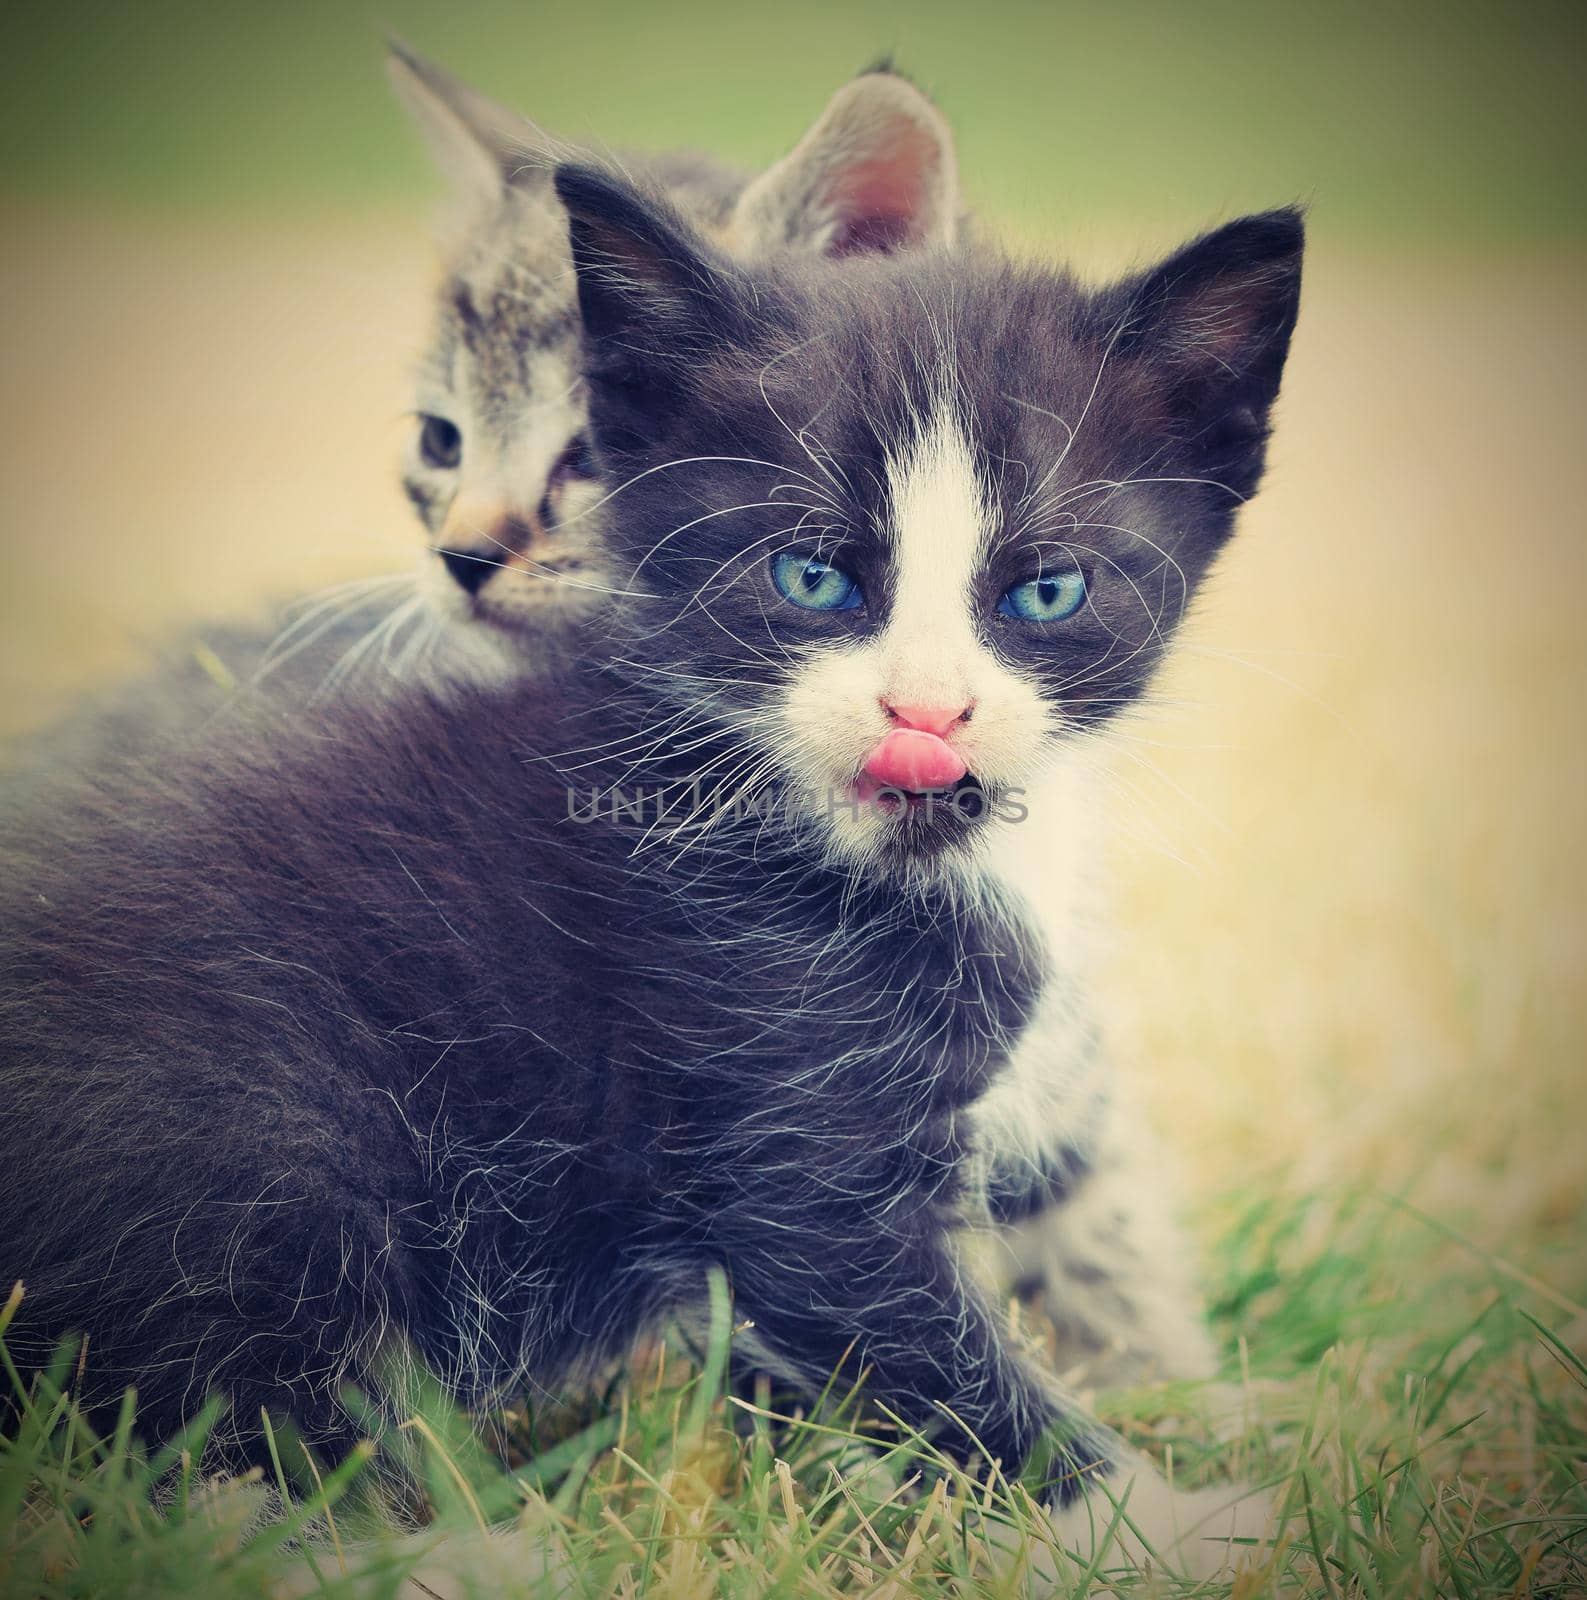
(932, 652)
(940, 530)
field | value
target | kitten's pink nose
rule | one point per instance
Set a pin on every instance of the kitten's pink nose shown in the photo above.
(912, 759)
(927, 719)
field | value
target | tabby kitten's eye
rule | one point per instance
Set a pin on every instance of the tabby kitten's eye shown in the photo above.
(815, 585)
(1045, 599)
(578, 460)
(440, 442)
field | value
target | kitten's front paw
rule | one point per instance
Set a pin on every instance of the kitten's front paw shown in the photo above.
(1134, 1519)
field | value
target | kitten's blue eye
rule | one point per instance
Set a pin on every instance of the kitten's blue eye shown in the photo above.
(816, 585)
(1045, 599)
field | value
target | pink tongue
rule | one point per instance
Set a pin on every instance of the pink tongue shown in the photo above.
(911, 759)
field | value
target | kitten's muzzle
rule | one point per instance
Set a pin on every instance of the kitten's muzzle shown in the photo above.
(483, 536)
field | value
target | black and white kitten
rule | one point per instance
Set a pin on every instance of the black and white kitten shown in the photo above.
(327, 1043)
(500, 470)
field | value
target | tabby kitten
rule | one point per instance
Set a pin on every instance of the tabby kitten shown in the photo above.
(353, 1036)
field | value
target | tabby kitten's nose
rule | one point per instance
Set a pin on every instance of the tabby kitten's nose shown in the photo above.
(469, 571)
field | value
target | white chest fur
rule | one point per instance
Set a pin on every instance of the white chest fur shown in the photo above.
(1051, 1095)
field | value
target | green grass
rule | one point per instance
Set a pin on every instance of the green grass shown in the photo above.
(1409, 120)
(1412, 1401)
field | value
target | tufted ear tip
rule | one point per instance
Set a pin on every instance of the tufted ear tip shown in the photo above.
(588, 191)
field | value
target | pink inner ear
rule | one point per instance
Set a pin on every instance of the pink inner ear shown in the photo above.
(883, 201)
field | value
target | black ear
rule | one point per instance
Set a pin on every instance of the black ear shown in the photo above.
(655, 298)
(1214, 323)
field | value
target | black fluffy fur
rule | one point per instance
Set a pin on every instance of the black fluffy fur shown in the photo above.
(331, 1037)
(322, 1038)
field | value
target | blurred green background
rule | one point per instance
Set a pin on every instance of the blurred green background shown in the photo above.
(1411, 120)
